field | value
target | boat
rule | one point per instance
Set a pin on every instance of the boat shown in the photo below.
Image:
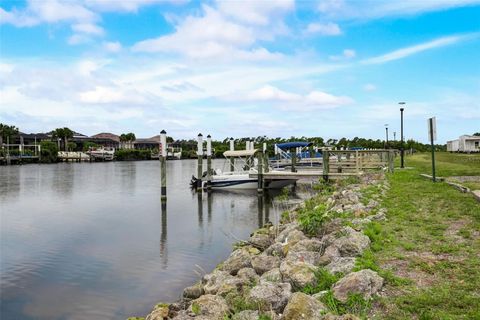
(240, 178)
(102, 153)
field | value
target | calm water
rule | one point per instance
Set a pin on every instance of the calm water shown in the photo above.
(92, 241)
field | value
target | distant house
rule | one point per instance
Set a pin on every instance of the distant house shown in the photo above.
(149, 143)
(106, 139)
(464, 143)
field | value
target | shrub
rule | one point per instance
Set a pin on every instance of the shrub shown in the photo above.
(49, 152)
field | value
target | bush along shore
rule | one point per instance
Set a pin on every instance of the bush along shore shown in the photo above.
(316, 264)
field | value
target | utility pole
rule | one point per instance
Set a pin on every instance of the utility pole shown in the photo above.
(402, 148)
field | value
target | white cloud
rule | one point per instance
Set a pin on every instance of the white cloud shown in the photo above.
(113, 47)
(371, 9)
(405, 52)
(327, 29)
(88, 28)
(294, 101)
(346, 54)
(255, 12)
(369, 87)
(215, 35)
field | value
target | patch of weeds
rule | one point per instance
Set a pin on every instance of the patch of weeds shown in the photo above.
(238, 303)
(196, 308)
(355, 304)
(135, 318)
(466, 233)
(324, 187)
(445, 248)
(312, 219)
(324, 281)
(366, 261)
(407, 245)
(374, 231)
(264, 317)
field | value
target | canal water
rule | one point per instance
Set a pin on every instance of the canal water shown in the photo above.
(92, 240)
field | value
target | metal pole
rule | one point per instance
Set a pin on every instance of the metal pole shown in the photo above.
(200, 161)
(433, 149)
(402, 151)
(209, 162)
(163, 165)
(232, 159)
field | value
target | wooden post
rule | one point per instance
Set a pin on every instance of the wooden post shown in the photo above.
(294, 159)
(326, 165)
(163, 165)
(232, 159)
(260, 172)
(200, 161)
(357, 162)
(390, 161)
(265, 158)
(209, 162)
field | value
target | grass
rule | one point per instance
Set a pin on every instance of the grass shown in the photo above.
(432, 240)
(324, 281)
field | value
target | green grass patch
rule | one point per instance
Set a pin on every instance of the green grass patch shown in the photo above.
(324, 281)
(355, 304)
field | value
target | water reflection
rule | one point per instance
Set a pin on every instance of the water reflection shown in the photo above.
(163, 235)
(101, 227)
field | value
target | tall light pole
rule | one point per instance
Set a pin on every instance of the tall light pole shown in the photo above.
(402, 151)
(386, 135)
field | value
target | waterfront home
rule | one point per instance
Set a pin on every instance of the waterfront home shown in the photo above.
(464, 143)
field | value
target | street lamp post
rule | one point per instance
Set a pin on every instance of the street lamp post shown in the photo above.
(386, 135)
(402, 151)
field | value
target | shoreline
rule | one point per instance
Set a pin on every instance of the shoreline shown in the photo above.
(292, 270)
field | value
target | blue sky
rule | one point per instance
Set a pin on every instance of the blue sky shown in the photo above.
(330, 68)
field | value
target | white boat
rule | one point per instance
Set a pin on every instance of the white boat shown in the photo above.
(240, 179)
(102, 154)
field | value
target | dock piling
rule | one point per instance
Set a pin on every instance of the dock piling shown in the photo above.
(209, 162)
(232, 159)
(200, 161)
(260, 172)
(326, 164)
(163, 165)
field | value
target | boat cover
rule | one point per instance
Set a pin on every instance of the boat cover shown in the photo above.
(239, 153)
(294, 144)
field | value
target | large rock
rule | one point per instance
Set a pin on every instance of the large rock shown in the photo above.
(193, 292)
(298, 274)
(350, 243)
(330, 254)
(248, 275)
(287, 228)
(246, 315)
(270, 296)
(275, 249)
(263, 263)
(341, 265)
(313, 245)
(303, 306)
(365, 282)
(273, 275)
(261, 240)
(209, 307)
(304, 256)
(221, 282)
(240, 258)
(160, 312)
(347, 316)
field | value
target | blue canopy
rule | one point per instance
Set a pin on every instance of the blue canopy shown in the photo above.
(295, 144)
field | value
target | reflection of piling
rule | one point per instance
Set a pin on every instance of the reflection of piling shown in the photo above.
(200, 161)
(260, 210)
(209, 207)
(163, 234)
(209, 162)
(232, 159)
(163, 165)
(260, 172)
(200, 209)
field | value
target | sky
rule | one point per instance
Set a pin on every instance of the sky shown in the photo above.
(329, 68)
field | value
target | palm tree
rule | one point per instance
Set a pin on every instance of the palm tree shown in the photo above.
(7, 132)
(128, 139)
(63, 134)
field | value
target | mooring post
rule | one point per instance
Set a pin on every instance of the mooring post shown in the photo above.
(294, 158)
(200, 161)
(209, 162)
(163, 165)
(265, 158)
(260, 172)
(232, 159)
(326, 165)
(390, 161)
